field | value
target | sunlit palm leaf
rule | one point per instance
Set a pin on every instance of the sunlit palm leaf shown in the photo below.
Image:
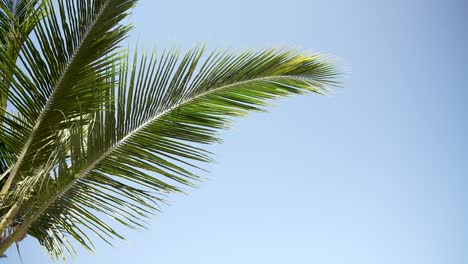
(93, 132)
(162, 106)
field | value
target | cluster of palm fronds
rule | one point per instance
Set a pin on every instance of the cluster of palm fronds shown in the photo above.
(88, 129)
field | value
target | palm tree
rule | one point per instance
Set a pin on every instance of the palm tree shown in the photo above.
(89, 129)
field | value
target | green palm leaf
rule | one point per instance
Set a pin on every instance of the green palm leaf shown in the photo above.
(60, 79)
(17, 19)
(161, 106)
(94, 132)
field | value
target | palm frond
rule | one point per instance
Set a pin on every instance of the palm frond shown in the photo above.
(91, 132)
(139, 147)
(17, 20)
(62, 71)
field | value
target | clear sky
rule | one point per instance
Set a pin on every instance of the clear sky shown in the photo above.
(375, 173)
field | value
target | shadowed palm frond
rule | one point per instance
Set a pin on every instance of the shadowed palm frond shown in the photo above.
(17, 20)
(58, 76)
(60, 79)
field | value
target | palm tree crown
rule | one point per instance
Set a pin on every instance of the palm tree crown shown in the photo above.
(89, 129)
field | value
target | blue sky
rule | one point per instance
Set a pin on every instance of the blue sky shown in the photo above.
(374, 173)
